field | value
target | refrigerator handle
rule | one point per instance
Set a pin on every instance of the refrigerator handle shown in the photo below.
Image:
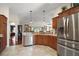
(67, 27)
(64, 27)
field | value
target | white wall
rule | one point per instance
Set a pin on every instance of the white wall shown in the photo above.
(58, 10)
(5, 11)
(13, 18)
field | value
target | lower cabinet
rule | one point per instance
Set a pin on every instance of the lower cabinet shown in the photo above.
(47, 40)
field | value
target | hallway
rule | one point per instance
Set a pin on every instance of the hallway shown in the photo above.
(36, 50)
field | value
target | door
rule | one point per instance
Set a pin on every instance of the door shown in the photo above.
(19, 34)
(69, 32)
(61, 36)
(3, 31)
(76, 22)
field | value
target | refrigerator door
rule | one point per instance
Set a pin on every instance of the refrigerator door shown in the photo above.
(76, 22)
(61, 36)
(69, 34)
(60, 28)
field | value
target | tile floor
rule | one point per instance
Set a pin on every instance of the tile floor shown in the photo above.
(36, 50)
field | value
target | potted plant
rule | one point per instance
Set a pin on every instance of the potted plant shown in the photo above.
(64, 8)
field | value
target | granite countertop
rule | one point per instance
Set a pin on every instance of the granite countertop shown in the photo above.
(46, 34)
(49, 34)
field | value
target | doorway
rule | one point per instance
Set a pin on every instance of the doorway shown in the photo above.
(12, 34)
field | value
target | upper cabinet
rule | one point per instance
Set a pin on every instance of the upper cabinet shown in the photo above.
(54, 22)
(70, 11)
(67, 12)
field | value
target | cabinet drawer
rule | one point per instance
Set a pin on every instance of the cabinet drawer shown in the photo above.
(61, 50)
(76, 53)
(69, 52)
(61, 41)
(70, 44)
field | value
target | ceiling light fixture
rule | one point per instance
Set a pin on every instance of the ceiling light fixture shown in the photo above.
(44, 17)
(30, 16)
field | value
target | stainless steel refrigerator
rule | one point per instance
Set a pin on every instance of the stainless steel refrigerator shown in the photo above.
(68, 35)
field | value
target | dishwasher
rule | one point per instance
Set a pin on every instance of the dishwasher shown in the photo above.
(27, 39)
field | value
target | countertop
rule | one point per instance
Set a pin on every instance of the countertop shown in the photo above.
(49, 34)
(45, 34)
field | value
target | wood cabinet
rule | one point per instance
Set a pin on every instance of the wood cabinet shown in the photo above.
(53, 42)
(54, 22)
(3, 32)
(38, 40)
(68, 12)
(62, 14)
(47, 40)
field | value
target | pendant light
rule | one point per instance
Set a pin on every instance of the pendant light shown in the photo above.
(44, 17)
(30, 16)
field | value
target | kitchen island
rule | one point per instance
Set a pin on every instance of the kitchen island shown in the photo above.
(45, 39)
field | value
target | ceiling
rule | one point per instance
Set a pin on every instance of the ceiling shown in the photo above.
(22, 10)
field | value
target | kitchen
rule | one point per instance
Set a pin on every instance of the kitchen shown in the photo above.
(54, 30)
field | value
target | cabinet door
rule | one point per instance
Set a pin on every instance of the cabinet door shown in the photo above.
(45, 39)
(55, 23)
(35, 39)
(40, 39)
(53, 42)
